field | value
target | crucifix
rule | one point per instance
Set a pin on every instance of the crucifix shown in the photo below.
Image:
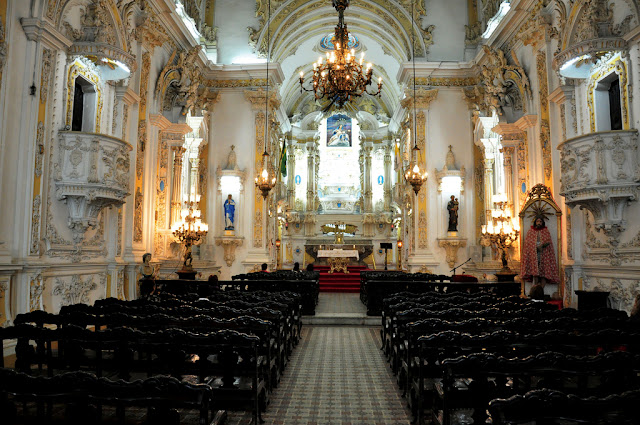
(339, 229)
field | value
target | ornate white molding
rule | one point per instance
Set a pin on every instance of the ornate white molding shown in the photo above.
(451, 247)
(450, 170)
(229, 245)
(92, 173)
(600, 172)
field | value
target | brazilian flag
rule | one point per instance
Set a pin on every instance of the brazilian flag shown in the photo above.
(283, 159)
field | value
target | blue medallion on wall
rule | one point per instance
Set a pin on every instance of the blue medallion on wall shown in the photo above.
(161, 185)
(524, 188)
(380, 180)
(298, 179)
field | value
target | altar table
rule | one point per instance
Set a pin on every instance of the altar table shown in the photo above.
(338, 259)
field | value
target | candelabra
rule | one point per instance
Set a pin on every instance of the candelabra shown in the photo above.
(266, 180)
(190, 231)
(342, 76)
(502, 231)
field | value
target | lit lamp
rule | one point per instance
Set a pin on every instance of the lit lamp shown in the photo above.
(501, 232)
(190, 231)
(342, 76)
(399, 255)
(413, 174)
(266, 180)
(278, 243)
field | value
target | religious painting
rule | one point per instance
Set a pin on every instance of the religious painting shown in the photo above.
(540, 240)
(339, 131)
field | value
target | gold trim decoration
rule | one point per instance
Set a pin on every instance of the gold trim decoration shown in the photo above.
(80, 68)
(258, 232)
(446, 81)
(231, 84)
(421, 121)
(140, 147)
(614, 63)
(545, 132)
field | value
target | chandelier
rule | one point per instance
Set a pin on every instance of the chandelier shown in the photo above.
(342, 76)
(266, 179)
(190, 231)
(413, 173)
(502, 231)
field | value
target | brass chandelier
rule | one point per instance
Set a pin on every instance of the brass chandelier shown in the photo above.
(266, 178)
(413, 174)
(342, 76)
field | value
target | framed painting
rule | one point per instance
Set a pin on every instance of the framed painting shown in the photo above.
(339, 131)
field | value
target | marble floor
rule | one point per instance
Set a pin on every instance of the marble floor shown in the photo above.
(336, 375)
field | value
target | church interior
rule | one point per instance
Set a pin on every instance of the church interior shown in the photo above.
(379, 146)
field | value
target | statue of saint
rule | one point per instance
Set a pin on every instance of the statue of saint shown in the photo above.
(229, 213)
(339, 138)
(538, 257)
(146, 269)
(452, 207)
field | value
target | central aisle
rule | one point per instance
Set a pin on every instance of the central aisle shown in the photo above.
(337, 375)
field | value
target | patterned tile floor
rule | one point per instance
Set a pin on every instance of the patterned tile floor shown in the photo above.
(330, 302)
(337, 375)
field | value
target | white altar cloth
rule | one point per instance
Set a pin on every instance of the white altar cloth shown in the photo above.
(337, 253)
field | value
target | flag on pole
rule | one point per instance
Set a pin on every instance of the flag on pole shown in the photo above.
(283, 158)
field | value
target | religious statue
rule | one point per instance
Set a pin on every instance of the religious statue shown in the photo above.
(538, 257)
(339, 138)
(146, 269)
(229, 213)
(452, 207)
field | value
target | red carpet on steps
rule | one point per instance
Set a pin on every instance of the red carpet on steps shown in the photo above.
(340, 282)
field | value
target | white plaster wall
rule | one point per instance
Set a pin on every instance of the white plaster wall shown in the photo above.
(232, 123)
(449, 18)
(232, 17)
(449, 123)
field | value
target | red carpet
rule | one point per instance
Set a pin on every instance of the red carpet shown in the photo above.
(340, 282)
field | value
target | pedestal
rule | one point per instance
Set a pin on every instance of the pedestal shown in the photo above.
(187, 274)
(451, 246)
(229, 244)
(505, 276)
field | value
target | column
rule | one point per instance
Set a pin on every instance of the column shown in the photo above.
(193, 184)
(367, 148)
(311, 176)
(507, 154)
(388, 146)
(291, 173)
(488, 187)
(176, 184)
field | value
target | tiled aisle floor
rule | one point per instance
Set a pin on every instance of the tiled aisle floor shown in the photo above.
(337, 375)
(336, 302)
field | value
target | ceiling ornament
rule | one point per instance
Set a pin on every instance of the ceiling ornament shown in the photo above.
(500, 78)
(342, 76)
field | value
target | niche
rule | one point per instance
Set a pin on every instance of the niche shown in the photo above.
(84, 106)
(608, 103)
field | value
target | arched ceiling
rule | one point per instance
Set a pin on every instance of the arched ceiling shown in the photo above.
(383, 27)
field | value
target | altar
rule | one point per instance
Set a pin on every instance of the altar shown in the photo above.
(338, 259)
(364, 248)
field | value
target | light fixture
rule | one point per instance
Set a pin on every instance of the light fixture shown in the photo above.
(266, 179)
(342, 76)
(502, 231)
(413, 173)
(190, 231)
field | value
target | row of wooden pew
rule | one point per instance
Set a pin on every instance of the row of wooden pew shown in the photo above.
(215, 354)
(453, 354)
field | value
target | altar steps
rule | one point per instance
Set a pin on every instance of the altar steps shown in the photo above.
(340, 282)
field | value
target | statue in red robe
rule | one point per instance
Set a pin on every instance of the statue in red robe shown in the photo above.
(538, 261)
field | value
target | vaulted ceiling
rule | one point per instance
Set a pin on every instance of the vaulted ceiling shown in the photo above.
(383, 27)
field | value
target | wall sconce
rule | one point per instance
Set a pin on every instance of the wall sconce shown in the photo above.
(399, 244)
(278, 242)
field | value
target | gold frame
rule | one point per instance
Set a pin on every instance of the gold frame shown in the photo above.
(540, 194)
(77, 68)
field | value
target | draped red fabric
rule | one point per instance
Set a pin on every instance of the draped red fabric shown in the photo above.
(548, 267)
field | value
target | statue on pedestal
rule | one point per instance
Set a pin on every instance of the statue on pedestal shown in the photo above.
(146, 269)
(229, 213)
(452, 207)
(538, 256)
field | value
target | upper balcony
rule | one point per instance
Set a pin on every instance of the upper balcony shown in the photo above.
(92, 172)
(600, 172)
